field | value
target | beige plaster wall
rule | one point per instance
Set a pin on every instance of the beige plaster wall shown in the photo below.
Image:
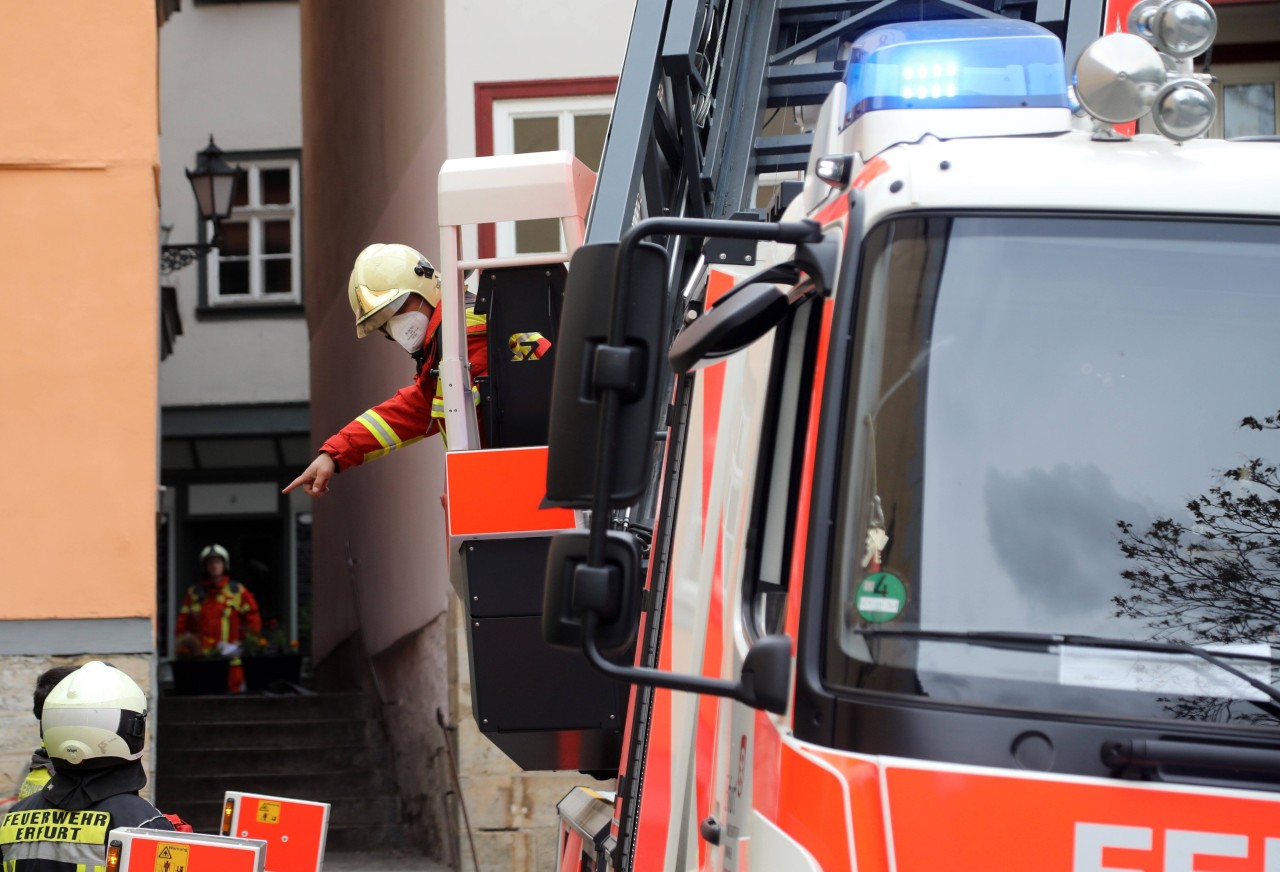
(373, 140)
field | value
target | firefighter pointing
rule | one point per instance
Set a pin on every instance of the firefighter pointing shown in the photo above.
(395, 291)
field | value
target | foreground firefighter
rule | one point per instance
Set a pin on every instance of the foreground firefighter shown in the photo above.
(93, 724)
(394, 290)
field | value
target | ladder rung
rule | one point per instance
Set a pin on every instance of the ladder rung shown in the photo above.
(770, 146)
(787, 74)
(803, 94)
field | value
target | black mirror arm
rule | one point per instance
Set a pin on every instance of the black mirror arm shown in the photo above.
(791, 232)
(794, 232)
(648, 677)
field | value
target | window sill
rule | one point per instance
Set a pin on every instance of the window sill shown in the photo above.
(240, 311)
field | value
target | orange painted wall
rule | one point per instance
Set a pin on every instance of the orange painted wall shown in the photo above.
(79, 279)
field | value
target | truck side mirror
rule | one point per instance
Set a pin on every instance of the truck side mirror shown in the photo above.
(611, 591)
(587, 364)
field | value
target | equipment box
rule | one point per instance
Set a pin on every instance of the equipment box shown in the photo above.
(142, 850)
(294, 829)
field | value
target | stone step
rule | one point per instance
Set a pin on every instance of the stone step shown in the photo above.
(267, 734)
(172, 789)
(206, 816)
(296, 760)
(251, 707)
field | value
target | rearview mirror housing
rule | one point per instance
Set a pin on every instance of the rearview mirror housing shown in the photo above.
(573, 587)
(576, 407)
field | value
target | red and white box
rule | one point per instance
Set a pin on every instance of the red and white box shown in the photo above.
(294, 829)
(140, 850)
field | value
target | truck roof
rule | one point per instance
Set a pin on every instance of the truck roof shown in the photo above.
(1072, 171)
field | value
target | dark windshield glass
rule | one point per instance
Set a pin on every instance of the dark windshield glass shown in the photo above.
(1044, 434)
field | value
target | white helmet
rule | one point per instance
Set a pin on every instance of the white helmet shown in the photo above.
(384, 274)
(96, 715)
(216, 551)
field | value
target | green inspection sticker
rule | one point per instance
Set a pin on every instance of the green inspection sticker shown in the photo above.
(881, 597)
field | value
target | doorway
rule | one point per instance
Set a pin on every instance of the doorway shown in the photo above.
(259, 561)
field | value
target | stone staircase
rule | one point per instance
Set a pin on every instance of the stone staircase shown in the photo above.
(325, 747)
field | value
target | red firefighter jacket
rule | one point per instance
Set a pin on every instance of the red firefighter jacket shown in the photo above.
(414, 412)
(218, 610)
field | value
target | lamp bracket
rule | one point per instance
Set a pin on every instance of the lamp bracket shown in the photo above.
(178, 257)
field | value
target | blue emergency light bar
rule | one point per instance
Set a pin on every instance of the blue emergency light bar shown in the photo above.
(974, 63)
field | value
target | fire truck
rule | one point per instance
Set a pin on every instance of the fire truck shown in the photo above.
(926, 518)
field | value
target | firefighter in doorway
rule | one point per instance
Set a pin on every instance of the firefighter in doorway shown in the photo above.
(217, 612)
(394, 290)
(93, 724)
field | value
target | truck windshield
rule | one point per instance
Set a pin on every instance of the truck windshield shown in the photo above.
(1063, 426)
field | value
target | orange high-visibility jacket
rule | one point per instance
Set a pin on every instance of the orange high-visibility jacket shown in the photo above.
(412, 413)
(218, 610)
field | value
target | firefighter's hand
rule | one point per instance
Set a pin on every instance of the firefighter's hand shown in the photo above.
(315, 478)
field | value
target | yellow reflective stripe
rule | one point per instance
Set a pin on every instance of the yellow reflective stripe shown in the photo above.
(55, 825)
(35, 780)
(437, 402)
(381, 430)
(475, 320)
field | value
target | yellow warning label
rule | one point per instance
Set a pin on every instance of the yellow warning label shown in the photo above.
(172, 858)
(268, 812)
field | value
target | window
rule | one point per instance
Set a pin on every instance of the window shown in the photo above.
(258, 259)
(1020, 457)
(520, 126)
(1246, 100)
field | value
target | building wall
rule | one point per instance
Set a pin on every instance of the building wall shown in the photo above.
(570, 39)
(78, 237)
(373, 141)
(566, 40)
(231, 70)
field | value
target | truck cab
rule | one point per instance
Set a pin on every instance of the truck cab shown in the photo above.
(983, 428)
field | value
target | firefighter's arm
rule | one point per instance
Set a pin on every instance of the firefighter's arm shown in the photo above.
(250, 617)
(186, 622)
(403, 419)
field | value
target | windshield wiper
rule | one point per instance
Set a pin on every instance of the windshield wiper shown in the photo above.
(1044, 641)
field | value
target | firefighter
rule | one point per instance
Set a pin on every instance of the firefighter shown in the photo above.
(93, 724)
(395, 291)
(218, 612)
(41, 766)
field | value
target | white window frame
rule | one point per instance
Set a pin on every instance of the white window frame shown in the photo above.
(565, 109)
(1242, 74)
(254, 213)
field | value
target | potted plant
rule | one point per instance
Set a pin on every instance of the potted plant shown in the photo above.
(270, 656)
(198, 670)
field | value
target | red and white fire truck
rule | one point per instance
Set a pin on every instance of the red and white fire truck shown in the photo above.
(934, 523)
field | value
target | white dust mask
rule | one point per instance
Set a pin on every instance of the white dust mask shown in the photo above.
(408, 329)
